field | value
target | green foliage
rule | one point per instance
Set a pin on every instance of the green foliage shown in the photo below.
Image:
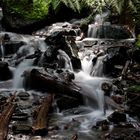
(75, 5)
(84, 24)
(28, 9)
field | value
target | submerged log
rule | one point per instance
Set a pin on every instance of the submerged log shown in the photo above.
(5, 117)
(35, 79)
(40, 123)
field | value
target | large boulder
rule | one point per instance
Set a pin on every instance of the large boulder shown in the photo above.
(5, 72)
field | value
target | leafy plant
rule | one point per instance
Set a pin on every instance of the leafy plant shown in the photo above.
(75, 5)
(28, 9)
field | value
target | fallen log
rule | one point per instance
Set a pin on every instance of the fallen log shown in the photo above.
(5, 117)
(40, 122)
(35, 79)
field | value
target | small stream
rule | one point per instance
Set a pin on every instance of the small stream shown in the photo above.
(63, 125)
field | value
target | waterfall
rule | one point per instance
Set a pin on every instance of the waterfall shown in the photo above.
(93, 65)
(99, 67)
(18, 79)
(87, 64)
(64, 60)
(93, 30)
(91, 88)
(2, 51)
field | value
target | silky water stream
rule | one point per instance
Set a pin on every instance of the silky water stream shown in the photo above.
(78, 120)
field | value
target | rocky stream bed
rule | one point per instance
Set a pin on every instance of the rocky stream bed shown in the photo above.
(57, 85)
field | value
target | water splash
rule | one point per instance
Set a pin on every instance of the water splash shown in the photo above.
(99, 67)
(93, 65)
(87, 64)
(91, 88)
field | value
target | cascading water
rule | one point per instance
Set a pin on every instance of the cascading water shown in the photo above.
(2, 50)
(64, 60)
(91, 88)
(99, 66)
(18, 78)
(92, 64)
(87, 64)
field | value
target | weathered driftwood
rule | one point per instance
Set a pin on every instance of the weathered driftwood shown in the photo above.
(40, 123)
(52, 84)
(5, 117)
(75, 137)
(125, 68)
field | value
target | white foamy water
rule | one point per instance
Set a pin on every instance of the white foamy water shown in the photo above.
(99, 66)
(2, 51)
(87, 64)
(64, 60)
(18, 78)
(91, 88)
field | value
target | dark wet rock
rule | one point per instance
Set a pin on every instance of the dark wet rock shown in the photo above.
(2, 100)
(21, 128)
(102, 125)
(5, 72)
(125, 134)
(20, 116)
(116, 57)
(119, 99)
(66, 28)
(76, 63)
(124, 125)
(106, 87)
(23, 95)
(136, 55)
(133, 101)
(109, 31)
(12, 47)
(57, 41)
(67, 102)
(51, 128)
(117, 117)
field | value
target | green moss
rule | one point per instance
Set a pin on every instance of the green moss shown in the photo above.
(28, 9)
(134, 88)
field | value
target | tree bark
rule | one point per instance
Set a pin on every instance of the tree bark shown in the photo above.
(40, 123)
(52, 84)
(5, 118)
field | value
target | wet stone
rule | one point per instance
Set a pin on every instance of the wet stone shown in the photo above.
(20, 116)
(67, 103)
(51, 128)
(23, 95)
(5, 72)
(124, 134)
(21, 128)
(117, 117)
(102, 125)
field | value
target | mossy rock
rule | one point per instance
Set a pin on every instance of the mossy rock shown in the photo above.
(27, 9)
(24, 15)
(134, 88)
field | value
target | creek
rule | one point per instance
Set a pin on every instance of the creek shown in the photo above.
(79, 120)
